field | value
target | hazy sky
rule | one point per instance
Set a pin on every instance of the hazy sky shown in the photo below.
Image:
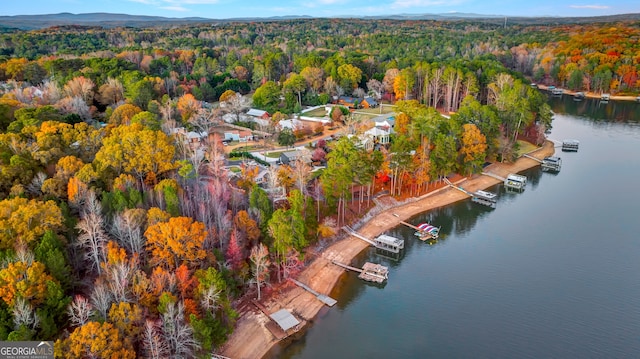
(218, 9)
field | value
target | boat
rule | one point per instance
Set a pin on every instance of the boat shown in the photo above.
(578, 96)
(427, 231)
(557, 92)
(605, 97)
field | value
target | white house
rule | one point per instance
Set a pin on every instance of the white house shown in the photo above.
(378, 135)
(240, 136)
(292, 124)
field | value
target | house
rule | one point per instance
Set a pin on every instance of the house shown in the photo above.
(264, 115)
(292, 124)
(378, 135)
(369, 102)
(240, 136)
(287, 158)
(385, 122)
(350, 102)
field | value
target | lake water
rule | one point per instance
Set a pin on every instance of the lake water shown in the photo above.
(553, 272)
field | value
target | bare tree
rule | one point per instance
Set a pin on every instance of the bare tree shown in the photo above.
(359, 92)
(23, 313)
(301, 174)
(177, 333)
(101, 298)
(260, 265)
(79, 310)
(376, 88)
(92, 238)
(75, 105)
(211, 298)
(154, 345)
(127, 229)
(236, 105)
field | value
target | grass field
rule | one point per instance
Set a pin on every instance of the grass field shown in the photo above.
(318, 112)
(376, 111)
(525, 147)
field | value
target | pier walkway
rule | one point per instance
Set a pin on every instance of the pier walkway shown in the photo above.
(501, 179)
(321, 297)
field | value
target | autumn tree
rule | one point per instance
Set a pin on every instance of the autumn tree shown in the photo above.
(24, 221)
(473, 148)
(136, 150)
(111, 92)
(123, 114)
(95, 340)
(349, 76)
(180, 240)
(188, 106)
(24, 280)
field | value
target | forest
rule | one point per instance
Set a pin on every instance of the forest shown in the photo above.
(118, 238)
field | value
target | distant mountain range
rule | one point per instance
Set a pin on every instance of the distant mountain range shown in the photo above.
(30, 22)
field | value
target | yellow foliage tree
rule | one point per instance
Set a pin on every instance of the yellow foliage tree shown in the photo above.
(123, 114)
(23, 220)
(128, 318)
(180, 240)
(21, 280)
(136, 150)
(473, 149)
(95, 340)
(402, 124)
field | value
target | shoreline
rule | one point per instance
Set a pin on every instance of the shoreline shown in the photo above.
(251, 339)
(593, 95)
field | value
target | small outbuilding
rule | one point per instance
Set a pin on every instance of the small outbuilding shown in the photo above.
(284, 319)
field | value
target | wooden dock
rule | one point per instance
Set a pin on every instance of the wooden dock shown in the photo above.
(321, 297)
(501, 179)
(481, 197)
(383, 242)
(423, 235)
(531, 157)
(370, 272)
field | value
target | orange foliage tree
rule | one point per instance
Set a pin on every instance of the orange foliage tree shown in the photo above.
(180, 240)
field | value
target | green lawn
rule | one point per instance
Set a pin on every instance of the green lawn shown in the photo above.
(376, 111)
(525, 147)
(273, 154)
(318, 112)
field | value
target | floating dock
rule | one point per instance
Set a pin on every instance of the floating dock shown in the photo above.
(557, 92)
(370, 272)
(424, 231)
(383, 242)
(488, 199)
(552, 164)
(389, 243)
(516, 182)
(570, 145)
(605, 97)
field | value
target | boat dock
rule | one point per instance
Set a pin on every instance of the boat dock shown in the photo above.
(515, 181)
(488, 199)
(321, 297)
(480, 197)
(383, 242)
(370, 272)
(424, 231)
(552, 164)
(570, 145)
